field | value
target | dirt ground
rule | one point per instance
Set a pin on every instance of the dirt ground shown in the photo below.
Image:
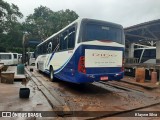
(87, 97)
(10, 101)
(99, 97)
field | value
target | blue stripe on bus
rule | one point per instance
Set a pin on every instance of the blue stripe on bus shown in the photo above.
(47, 71)
(58, 70)
(50, 58)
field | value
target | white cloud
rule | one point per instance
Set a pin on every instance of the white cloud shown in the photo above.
(125, 12)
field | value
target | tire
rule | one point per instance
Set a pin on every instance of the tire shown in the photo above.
(52, 78)
(119, 80)
(38, 68)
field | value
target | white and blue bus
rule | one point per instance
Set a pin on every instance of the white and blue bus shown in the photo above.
(146, 55)
(87, 50)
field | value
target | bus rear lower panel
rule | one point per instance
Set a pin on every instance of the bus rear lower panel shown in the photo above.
(88, 78)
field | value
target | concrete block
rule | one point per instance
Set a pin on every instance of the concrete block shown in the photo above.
(7, 77)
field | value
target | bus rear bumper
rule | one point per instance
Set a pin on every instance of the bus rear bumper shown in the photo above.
(84, 78)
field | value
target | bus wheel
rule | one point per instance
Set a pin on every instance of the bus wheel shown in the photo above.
(38, 67)
(119, 80)
(52, 78)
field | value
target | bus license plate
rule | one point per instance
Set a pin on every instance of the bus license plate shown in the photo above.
(104, 78)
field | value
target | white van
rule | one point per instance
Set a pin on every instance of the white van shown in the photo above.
(8, 58)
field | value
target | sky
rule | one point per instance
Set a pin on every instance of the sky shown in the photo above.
(124, 12)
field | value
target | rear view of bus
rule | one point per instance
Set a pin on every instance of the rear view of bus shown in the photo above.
(100, 51)
(87, 50)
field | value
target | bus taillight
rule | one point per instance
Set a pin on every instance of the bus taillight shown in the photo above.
(81, 65)
(122, 69)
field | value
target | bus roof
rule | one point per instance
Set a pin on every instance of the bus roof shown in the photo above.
(79, 20)
(101, 21)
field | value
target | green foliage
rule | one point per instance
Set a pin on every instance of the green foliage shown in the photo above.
(44, 22)
(8, 16)
(10, 29)
(15, 49)
(39, 25)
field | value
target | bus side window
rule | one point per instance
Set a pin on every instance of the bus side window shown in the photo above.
(63, 40)
(44, 50)
(41, 49)
(55, 44)
(137, 53)
(71, 38)
(153, 53)
(146, 54)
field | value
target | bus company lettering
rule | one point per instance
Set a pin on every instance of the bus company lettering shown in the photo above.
(103, 55)
(102, 58)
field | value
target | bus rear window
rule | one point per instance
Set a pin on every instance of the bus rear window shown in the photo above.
(5, 56)
(102, 32)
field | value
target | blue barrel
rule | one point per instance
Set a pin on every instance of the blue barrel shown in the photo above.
(20, 69)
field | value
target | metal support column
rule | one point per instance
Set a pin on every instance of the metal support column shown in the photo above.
(131, 50)
(158, 55)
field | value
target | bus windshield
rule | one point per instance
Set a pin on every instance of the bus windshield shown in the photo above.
(102, 32)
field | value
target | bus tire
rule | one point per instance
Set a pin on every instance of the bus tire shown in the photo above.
(37, 67)
(52, 78)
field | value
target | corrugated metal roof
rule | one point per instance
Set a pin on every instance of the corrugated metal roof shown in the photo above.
(145, 33)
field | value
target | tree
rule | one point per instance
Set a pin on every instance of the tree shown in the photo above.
(37, 24)
(4, 10)
(8, 16)
(44, 22)
(10, 28)
(65, 18)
